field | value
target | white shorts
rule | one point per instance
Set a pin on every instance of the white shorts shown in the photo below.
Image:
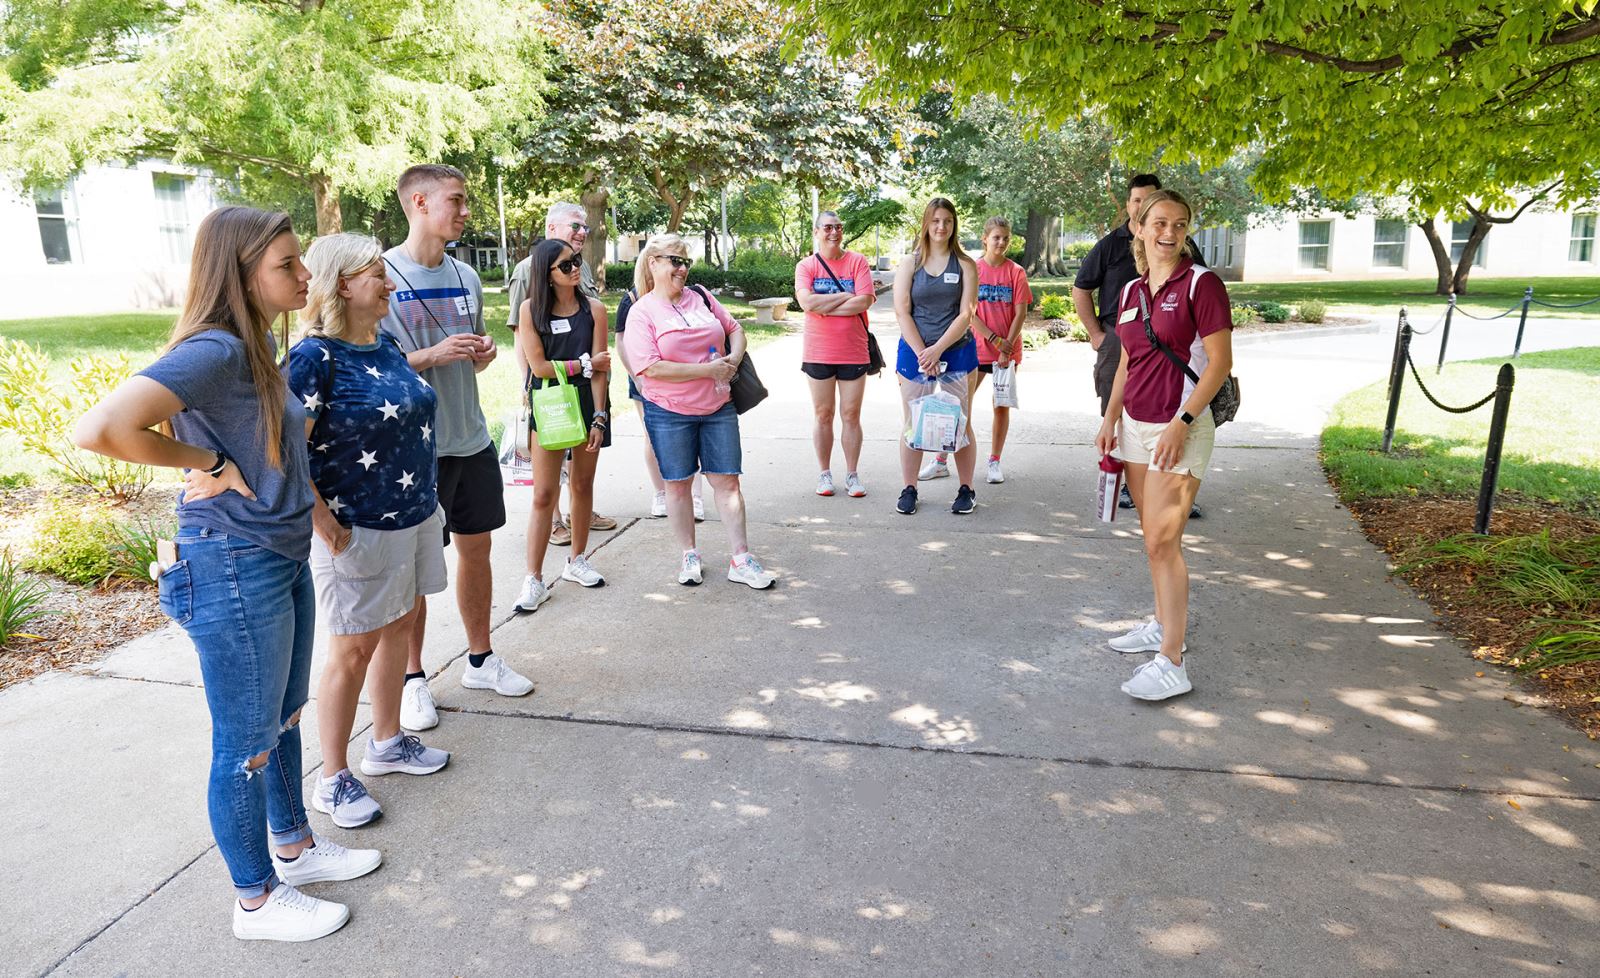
(378, 577)
(1137, 439)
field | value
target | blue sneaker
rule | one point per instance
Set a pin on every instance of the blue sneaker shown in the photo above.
(407, 756)
(345, 800)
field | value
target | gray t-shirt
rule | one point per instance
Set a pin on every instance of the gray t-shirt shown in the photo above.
(428, 305)
(517, 286)
(209, 373)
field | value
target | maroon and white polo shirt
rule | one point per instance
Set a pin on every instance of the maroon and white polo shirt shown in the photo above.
(1192, 304)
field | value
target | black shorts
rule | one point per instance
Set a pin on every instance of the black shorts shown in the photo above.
(985, 368)
(1106, 361)
(830, 371)
(471, 492)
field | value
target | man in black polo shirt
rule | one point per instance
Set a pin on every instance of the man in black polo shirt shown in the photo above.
(1107, 269)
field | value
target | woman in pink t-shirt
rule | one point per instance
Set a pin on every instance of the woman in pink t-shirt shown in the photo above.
(1158, 421)
(685, 348)
(835, 289)
(1003, 301)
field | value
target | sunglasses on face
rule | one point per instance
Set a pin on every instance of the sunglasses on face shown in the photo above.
(578, 228)
(570, 265)
(831, 227)
(678, 261)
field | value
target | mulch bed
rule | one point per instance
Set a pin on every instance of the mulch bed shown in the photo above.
(1498, 631)
(1260, 326)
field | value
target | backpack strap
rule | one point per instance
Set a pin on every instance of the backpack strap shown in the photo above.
(1155, 341)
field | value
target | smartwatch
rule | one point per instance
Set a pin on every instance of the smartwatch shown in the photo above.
(1186, 418)
(216, 470)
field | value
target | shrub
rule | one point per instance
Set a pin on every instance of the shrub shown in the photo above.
(20, 599)
(75, 543)
(495, 274)
(1313, 311)
(1077, 333)
(1243, 315)
(1058, 329)
(41, 415)
(1052, 306)
(767, 260)
(1077, 250)
(1273, 312)
(1034, 339)
(619, 276)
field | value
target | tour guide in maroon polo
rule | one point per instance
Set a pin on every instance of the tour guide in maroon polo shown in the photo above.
(1192, 304)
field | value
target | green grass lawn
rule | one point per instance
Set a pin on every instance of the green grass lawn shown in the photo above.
(1551, 454)
(141, 334)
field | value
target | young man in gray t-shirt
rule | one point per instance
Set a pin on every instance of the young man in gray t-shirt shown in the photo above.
(436, 315)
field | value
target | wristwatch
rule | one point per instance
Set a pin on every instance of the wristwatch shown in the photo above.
(216, 470)
(1186, 418)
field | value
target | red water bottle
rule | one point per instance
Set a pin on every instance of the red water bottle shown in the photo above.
(1110, 487)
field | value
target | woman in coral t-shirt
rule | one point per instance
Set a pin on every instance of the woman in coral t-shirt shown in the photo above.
(1003, 301)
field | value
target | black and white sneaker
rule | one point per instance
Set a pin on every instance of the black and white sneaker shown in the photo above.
(964, 501)
(1125, 498)
(908, 501)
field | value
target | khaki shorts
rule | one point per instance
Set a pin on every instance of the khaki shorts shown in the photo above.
(1136, 440)
(378, 577)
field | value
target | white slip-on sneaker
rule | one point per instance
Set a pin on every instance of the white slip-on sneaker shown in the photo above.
(1158, 679)
(658, 505)
(853, 486)
(995, 475)
(327, 862)
(409, 756)
(1145, 637)
(578, 571)
(745, 569)
(495, 674)
(689, 571)
(534, 593)
(346, 801)
(417, 711)
(933, 469)
(825, 484)
(289, 915)
(699, 510)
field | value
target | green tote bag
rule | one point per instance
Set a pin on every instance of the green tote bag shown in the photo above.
(556, 414)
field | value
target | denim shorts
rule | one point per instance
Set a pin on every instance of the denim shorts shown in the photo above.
(687, 443)
(959, 359)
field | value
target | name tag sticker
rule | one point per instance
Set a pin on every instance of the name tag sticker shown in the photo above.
(952, 278)
(560, 326)
(464, 305)
(1128, 315)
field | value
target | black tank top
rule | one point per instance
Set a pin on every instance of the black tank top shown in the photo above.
(567, 338)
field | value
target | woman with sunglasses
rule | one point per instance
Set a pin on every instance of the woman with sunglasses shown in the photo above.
(685, 349)
(559, 324)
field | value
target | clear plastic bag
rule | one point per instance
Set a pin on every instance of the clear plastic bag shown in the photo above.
(516, 465)
(938, 423)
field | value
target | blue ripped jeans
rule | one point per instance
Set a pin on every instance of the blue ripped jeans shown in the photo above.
(251, 614)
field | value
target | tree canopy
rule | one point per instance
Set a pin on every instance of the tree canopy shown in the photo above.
(334, 96)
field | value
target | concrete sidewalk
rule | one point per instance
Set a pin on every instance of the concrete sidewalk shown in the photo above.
(910, 758)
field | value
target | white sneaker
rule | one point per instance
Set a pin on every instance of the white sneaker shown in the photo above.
(327, 862)
(289, 915)
(1144, 638)
(825, 484)
(345, 800)
(1158, 679)
(658, 505)
(745, 569)
(578, 571)
(699, 510)
(417, 711)
(933, 469)
(853, 486)
(689, 572)
(995, 475)
(534, 594)
(496, 675)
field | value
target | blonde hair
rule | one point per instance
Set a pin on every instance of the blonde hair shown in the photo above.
(995, 222)
(661, 244)
(1160, 196)
(229, 246)
(333, 258)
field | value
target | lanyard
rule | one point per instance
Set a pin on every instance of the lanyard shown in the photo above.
(459, 281)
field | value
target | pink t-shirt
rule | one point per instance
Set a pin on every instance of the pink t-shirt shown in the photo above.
(685, 331)
(834, 339)
(1193, 304)
(999, 291)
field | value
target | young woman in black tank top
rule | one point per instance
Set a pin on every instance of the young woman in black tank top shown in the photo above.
(559, 323)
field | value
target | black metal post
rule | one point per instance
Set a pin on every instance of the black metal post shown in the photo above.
(1527, 297)
(1444, 338)
(1491, 457)
(1397, 376)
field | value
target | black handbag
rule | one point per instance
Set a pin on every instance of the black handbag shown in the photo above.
(875, 361)
(1225, 403)
(746, 389)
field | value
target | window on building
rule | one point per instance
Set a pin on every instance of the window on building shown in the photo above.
(1316, 245)
(1459, 232)
(172, 203)
(1582, 246)
(58, 225)
(1389, 244)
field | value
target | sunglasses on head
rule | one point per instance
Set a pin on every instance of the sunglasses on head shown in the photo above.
(570, 265)
(678, 261)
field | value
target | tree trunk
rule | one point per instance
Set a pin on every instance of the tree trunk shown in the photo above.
(1033, 241)
(679, 205)
(1052, 246)
(596, 199)
(1469, 252)
(1441, 257)
(330, 219)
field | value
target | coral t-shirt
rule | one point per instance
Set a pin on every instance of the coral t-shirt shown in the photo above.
(1193, 304)
(999, 291)
(834, 339)
(685, 331)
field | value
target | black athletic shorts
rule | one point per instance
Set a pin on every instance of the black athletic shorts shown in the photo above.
(472, 494)
(829, 371)
(985, 368)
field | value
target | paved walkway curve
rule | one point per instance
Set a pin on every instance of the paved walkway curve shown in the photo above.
(911, 758)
